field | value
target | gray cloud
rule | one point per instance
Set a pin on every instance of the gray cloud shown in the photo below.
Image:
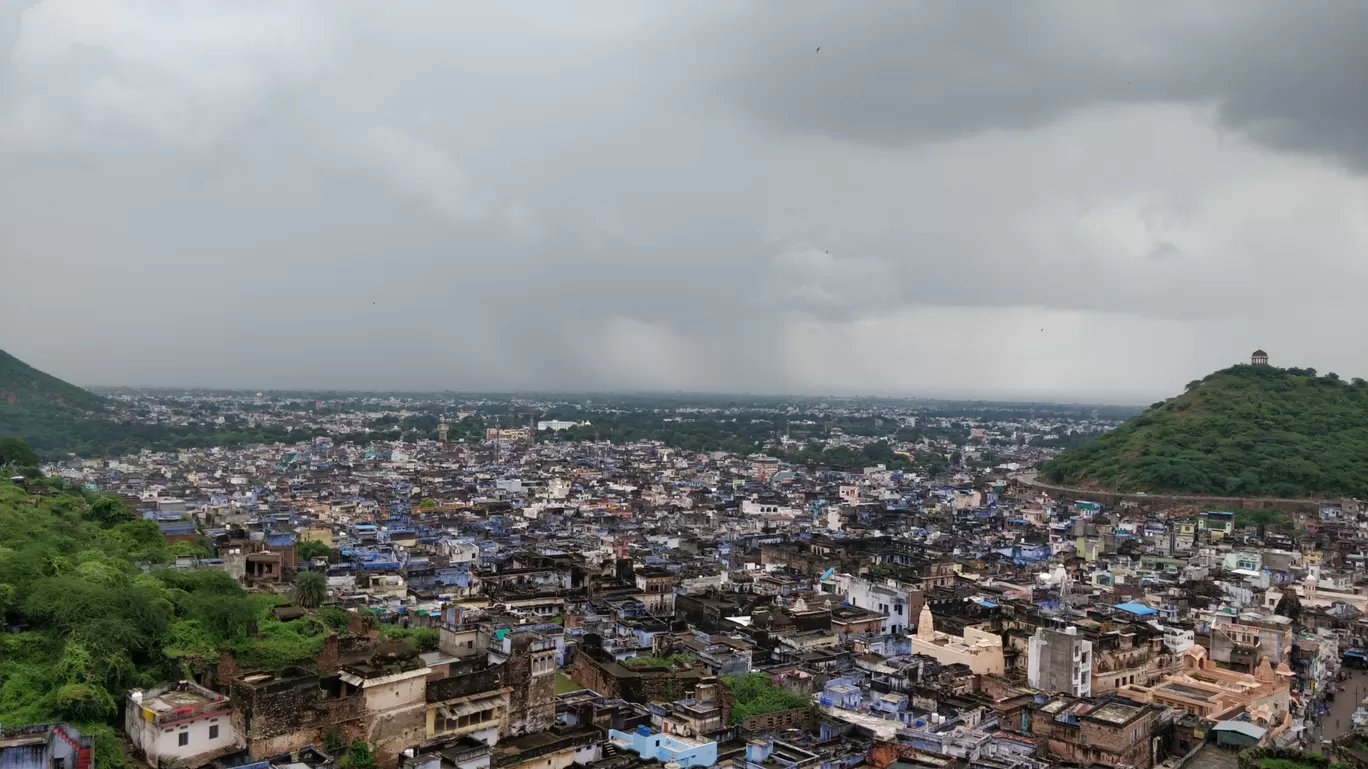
(1291, 75)
(626, 195)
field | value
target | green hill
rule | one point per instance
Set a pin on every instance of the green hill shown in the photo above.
(1244, 431)
(24, 388)
(51, 415)
(56, 418)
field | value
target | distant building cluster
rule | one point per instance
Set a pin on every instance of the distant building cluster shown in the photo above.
(628, 606)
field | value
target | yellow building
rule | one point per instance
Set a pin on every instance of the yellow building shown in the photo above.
(980, 650)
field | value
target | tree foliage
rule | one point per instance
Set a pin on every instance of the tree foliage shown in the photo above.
(1244, 431)
(16, 452)
(310, 550)
(103, 614)
(310, 589)
(755, 695)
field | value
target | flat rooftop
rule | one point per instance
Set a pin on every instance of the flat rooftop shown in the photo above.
(1115, 713)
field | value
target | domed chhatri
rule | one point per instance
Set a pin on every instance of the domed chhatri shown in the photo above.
(1259, 358)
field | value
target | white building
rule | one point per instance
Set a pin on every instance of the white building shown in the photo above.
(1060, 661)
(892, 602)
(178, 723)
(555, 425)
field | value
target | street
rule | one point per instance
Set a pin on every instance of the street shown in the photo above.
(1336, 722)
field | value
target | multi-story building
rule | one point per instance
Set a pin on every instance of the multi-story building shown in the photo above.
(1060, 661)
(1240, 641)
(657, 586)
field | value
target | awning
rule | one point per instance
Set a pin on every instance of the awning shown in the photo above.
(471, 707)
(1243, 727)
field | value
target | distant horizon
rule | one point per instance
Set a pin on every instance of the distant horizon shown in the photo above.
(605, 393)
(1122, 400)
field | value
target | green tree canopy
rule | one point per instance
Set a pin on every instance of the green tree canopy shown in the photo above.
(15, 451)
(310, 589)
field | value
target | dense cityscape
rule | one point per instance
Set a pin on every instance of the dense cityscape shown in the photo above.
(445, 581)
(684, 384)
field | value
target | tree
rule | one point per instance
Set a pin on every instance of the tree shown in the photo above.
(109, 512)
(310, 550)
(427, 503)
(359, 756)
(310, 588)
(14, 451)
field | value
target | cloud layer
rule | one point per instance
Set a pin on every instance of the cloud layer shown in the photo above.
(1050, 200)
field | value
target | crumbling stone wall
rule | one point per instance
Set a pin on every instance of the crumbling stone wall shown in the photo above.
(532, 703)
(797, 718)
(289, 714)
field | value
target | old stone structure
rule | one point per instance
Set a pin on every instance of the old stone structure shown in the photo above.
(1106, 732)
(530, 658)
(593, 669)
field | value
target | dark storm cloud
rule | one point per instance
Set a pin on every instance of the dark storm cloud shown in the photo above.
(622, 195)
(1292, 75)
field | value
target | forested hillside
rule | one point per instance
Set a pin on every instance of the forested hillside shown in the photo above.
(93, 623)
(1243, 431)
(56, 418)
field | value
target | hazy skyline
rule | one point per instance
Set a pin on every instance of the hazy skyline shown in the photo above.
(1093, 201)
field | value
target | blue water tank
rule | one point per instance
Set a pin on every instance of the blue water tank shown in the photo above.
(643, 730)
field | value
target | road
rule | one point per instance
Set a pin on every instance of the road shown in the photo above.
(1336, 722)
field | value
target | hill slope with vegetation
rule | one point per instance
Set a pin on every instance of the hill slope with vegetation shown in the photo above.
(1243, 431)
(56, 418)
(97, 609)
(93, 623)
(25, 388)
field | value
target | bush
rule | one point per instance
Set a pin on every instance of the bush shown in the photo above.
(755, 695)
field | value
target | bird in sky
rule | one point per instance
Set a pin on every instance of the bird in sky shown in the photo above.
(819, 49)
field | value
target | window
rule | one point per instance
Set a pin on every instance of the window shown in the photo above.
(213, 732)
(184, 739)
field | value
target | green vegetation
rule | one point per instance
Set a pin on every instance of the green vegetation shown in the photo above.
(1285, 763)
(565, 683)
(358, 756)
(310, 588)
(1262, 517)
(424, 638)
(1243, 431)
(754, 695)
(96, 624)
(15, 452)
(310, 550)
(57, 418)
(640, 661)
(25, 387)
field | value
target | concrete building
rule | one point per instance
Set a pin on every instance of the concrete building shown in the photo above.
(45, 746)
(183, 724)
(1060, 661)
(894, 604)
(665, 748)
(1240, 641)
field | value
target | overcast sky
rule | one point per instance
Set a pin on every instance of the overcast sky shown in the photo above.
(1074, 200)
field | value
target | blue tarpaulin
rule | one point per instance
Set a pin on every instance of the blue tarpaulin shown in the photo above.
(1135, 608)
